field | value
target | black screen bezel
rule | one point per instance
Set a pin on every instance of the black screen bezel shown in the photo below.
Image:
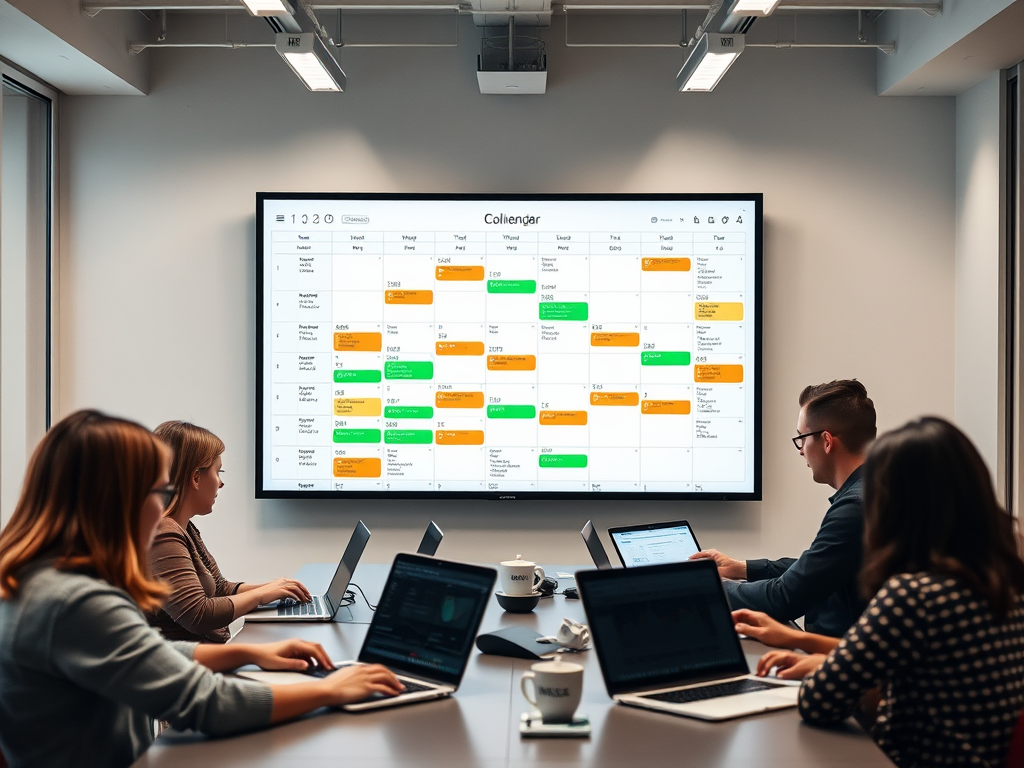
(755, 495)
(366, 657)
(672, 573)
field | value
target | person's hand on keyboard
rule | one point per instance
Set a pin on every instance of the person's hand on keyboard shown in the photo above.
(360, 682)
(283, 589)
(789, 665)
(294, 655)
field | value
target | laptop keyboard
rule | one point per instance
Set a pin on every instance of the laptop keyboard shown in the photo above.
(712, 691)
(410, 687)
(312, 608)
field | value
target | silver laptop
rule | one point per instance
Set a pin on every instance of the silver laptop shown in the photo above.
(430, 541)
(321, 607)
(595, 547)
(654, 543)
(665, 640)
(424, 627)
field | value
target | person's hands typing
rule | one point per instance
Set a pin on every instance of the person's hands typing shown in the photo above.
(762, 627)
(359, 682)
(727, 567)
(790, 665)
(293, 655)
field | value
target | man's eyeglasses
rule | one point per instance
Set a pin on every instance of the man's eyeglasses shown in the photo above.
(166, 495)
(798, 441)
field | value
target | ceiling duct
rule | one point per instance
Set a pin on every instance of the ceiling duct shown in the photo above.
(525, 13)
(512, 63)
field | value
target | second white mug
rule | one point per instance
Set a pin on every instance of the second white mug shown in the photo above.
(519, 577)
(557, 688)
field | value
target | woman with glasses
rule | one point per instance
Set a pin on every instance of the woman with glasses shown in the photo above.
(82, 675)
(202, 603)
(935, 665)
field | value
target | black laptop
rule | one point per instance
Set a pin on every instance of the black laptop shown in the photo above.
(665, 640)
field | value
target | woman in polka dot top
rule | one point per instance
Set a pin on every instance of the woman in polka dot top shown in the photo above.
(935, 665)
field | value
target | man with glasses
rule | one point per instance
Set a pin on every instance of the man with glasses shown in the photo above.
(835, 426)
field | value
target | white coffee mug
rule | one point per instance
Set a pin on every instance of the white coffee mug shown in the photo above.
(557, 689)
(519, 577)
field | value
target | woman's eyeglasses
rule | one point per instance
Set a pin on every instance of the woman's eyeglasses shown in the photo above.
(166, 495)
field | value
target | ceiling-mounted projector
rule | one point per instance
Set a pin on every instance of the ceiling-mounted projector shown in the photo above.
(512, 82)
(511, 63)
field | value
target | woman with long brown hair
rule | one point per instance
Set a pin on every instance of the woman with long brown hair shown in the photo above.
(82, 675)
(935, 665)
(201, 603)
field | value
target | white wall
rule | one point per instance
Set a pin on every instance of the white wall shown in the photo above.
(976, 388)
(158, 264)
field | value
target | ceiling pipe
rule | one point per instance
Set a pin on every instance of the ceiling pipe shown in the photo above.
(931, 7)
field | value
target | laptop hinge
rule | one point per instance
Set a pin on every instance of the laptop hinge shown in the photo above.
(331, 610)
(719, 678)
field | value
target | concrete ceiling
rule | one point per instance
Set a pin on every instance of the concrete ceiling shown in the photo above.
(81, 55)
(995, 45)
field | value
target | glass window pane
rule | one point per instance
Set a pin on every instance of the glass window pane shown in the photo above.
(25, 189)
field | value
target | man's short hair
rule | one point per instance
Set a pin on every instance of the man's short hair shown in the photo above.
(844, 409)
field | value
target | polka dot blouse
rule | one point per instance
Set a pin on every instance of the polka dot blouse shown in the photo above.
(952, 679)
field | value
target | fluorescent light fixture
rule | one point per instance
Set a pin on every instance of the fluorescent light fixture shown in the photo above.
(309, 58)
(754, 7)
(710, 60)
(268, 7)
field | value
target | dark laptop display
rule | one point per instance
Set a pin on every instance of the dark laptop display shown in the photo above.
(428, 617)
(661, 625)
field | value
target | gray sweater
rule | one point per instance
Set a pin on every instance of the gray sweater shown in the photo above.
(82, 676)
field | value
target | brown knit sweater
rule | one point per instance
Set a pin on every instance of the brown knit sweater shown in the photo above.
(198, 608)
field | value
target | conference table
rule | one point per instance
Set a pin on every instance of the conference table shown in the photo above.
(478, 727)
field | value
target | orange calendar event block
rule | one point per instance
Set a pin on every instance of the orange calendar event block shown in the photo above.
(459, 437)
(563, 418)
(615, 339)
(408, 297)
(511, 362)
(665, 407)
(614, 398)
(666, 265)
(357, 342)
(459, 272)
(350, 467)
(718, 374)
(459, 347)
(448, 399)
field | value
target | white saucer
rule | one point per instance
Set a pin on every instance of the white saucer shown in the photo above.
(530, 594)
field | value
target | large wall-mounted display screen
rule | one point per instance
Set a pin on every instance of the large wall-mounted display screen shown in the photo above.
(500, 346)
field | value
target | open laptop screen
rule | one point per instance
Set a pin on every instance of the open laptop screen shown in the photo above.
(661, 625)
(428, 617)
(654, 543)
